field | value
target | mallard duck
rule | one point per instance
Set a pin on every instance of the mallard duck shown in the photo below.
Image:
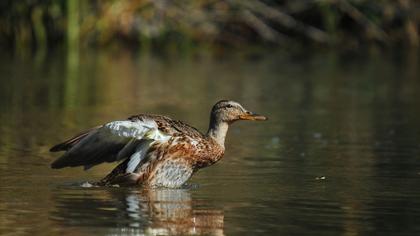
(155, 150)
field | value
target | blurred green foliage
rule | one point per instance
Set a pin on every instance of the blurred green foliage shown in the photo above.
(157, 23)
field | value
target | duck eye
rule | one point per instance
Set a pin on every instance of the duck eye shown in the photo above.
(229, 106)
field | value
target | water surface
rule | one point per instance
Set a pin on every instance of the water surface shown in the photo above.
(339, 155)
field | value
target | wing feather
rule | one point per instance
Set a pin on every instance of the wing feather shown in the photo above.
(112, 142)
(66, 145)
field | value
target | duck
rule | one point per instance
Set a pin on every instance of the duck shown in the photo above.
(152, 150)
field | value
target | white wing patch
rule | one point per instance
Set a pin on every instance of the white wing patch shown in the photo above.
(146, 130)
(136, 158)
(129, 129)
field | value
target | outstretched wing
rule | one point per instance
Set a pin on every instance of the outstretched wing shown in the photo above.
(111, 142)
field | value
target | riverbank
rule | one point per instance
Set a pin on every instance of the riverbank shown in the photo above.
(189, 24)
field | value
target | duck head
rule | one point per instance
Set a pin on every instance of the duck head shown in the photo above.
(230, 111)
(223, 114)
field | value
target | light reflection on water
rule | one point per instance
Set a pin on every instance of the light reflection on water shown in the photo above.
(132, 211)
(339, 154)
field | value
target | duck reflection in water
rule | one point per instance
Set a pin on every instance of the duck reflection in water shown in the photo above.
(129, 211)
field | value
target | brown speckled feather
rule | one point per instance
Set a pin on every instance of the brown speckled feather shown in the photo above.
(187, 150)
(169, 126)
(155, 150)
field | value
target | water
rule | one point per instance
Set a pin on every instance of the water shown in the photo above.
(339, 155)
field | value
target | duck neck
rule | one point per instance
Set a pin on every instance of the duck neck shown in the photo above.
(217, 131)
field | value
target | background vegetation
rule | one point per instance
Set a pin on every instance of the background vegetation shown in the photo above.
(185, 23)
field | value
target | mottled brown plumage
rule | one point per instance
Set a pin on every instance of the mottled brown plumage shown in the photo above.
(156, 150)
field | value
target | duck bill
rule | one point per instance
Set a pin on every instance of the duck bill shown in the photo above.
(253, 117)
